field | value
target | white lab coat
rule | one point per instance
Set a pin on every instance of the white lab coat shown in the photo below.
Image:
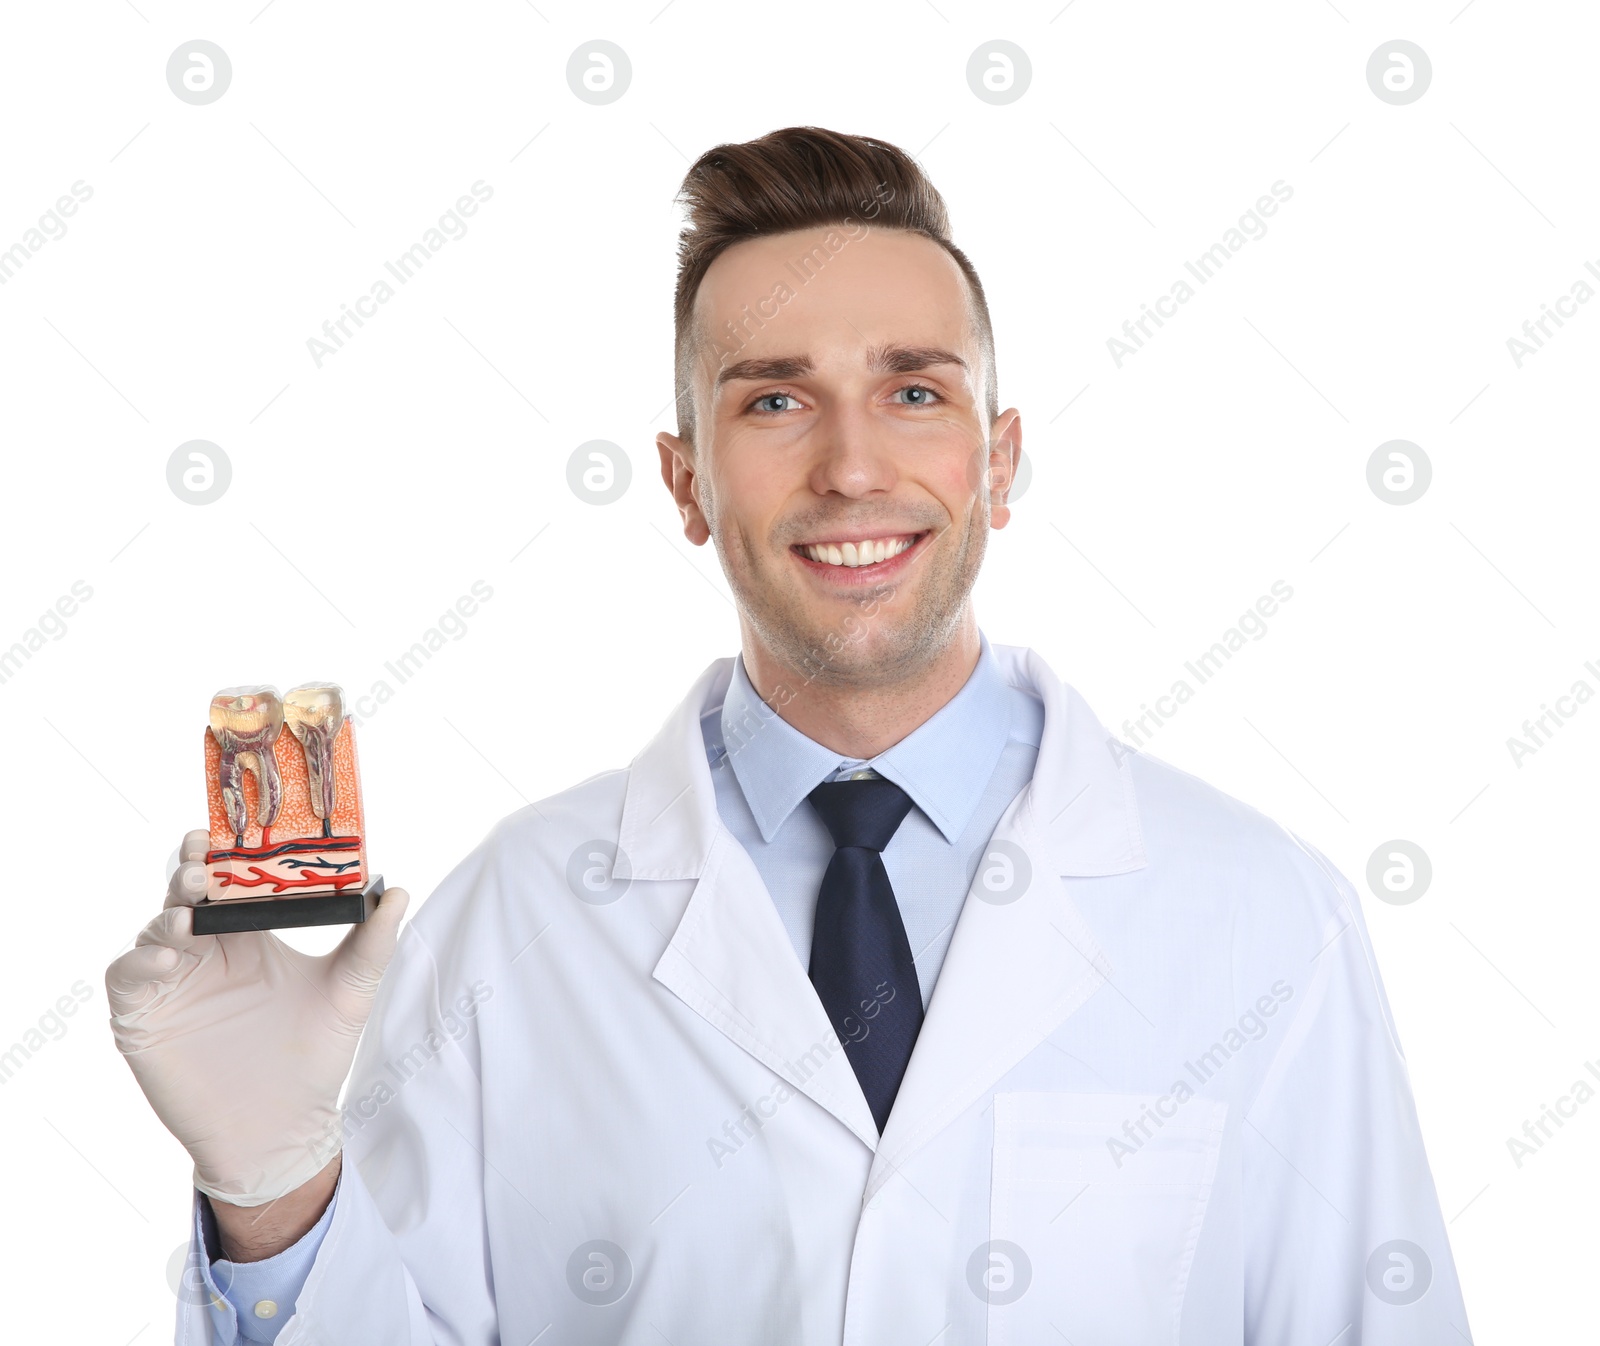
(1157, 1097)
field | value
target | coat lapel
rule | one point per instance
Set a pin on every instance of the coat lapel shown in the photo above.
(1015, 970)
(730, 959)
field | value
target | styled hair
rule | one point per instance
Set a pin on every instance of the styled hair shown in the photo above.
(802, 177)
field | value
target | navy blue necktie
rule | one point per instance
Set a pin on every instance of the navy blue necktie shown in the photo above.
(861, 960)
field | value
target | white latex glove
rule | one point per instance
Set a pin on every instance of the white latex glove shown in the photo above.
(242, 1043)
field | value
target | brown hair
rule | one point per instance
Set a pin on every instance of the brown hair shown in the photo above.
(802, 177)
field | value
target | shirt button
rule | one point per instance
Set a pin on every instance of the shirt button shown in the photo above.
(266, 1308)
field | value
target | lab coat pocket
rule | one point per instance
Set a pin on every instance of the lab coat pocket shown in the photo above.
(1095, 1208)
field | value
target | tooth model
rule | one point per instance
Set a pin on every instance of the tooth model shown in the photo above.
(246, 721)
(285, 809)
(315, 714)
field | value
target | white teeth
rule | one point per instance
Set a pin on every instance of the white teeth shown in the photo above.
(864, 553)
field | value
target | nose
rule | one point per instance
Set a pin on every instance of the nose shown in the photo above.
(852, 457)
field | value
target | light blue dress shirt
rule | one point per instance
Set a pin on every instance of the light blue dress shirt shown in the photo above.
(251, 1301)
(962, 767)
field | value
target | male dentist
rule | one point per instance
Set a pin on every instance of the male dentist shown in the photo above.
(884, 998)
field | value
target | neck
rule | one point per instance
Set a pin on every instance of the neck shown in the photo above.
(865, 717)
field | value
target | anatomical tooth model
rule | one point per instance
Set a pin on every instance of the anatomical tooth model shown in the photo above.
(246, 722)
(316, 715)
(287, 841)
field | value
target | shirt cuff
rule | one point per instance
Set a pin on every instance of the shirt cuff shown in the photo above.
(255, 1299)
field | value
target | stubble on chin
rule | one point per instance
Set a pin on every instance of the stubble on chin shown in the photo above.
(886, 635)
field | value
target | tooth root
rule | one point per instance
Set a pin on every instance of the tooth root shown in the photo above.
(314, 713)
(269, 785)
(230, 776)
(246, 722)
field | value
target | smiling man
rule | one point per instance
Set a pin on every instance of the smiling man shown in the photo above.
(884, 999)
(844, 455)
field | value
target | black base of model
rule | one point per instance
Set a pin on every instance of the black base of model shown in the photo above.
(350, 907)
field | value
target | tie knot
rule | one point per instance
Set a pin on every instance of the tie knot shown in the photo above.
(862, 813)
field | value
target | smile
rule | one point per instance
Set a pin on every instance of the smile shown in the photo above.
(858, 552)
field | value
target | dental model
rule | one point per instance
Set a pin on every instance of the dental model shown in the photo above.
(246, 722)
(287, 840)
(315, 714)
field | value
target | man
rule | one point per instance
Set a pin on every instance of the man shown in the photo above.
(885, 998)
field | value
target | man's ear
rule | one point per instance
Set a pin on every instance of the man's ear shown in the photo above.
(678, 473)
(1005, 455)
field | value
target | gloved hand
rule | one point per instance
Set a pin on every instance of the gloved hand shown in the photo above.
(242, 1043)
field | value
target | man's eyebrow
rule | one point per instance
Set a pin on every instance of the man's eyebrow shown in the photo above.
(774, 367)
(891, 359)
(909, 359)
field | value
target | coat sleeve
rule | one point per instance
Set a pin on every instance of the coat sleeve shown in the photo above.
(404, 1261)
(1343, 1236)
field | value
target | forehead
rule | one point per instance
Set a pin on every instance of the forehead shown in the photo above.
(810, 289)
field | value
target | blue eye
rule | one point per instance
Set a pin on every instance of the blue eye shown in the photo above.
(770, 397)
(919, 396)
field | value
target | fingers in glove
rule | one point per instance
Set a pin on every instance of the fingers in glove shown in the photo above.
(365, 952)
(137, 978)
(187, 884)
(174, 927)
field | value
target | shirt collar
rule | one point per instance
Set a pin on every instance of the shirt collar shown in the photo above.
(944, 764)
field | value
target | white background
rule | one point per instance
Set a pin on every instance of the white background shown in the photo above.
(1167, 495)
